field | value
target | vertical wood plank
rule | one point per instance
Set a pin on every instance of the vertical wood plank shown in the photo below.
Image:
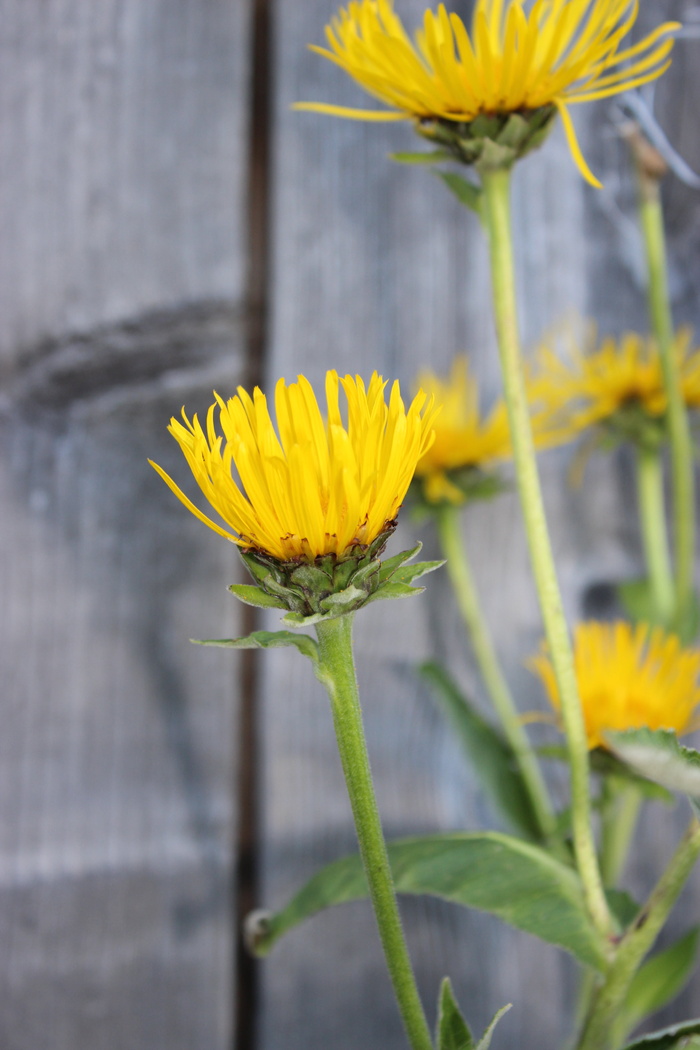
(123, 130)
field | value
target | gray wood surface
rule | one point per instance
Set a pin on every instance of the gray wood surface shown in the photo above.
(122, 269)
(124, 253)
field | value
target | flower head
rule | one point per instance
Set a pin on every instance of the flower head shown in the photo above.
(321, 487)
(464, 441)
(468, 445)
(619, 386)
(559, 53)
(629, 678)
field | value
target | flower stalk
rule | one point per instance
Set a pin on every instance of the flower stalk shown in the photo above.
(496, 212)
(336, 670)
(637, 942)
(652, 514)
(459, 570)
(651, 218)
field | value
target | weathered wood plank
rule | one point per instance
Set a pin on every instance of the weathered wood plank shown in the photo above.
(376, 267)
(123, 131)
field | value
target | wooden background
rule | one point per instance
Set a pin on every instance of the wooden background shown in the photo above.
(167, 227)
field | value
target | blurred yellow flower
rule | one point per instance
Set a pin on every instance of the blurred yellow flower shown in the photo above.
(463, 439)
(466, 441)
(629, 678)
(620, 384)
(320, 488)
(561, 52)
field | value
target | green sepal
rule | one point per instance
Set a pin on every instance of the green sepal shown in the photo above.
(395, 590)
(452, 1030)
(390, 565)
(657, 983)
(437, 156)
(485, 1041)
(657, 755)
(488, 753)
(517, 881)
(490, 142)
(266, 640)
(637, 600)
(252, 595)
(467, 193)
(683, 1036)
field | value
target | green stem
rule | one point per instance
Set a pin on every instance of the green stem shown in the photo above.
(337, 672)
(679, 430)
(459, 570)
(619, 821)
(496, 214)
(652, 513)
(637, 942)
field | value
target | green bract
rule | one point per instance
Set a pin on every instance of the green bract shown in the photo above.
(331, 585)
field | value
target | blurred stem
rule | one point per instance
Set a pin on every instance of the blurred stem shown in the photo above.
(679, 430)
(496, 215)
(337, 672)
(622, 802)
(637, 942)
(459, 570)
(652, 513)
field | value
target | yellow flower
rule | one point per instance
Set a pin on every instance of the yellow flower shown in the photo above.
(629, 678)
(462, 439)
(321, 487)
(617, 382)
(562, 52)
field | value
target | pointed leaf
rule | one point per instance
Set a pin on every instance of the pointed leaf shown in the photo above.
(252, 595)
(660, 980)
(684, 1036)
(409, 573)
(267, 640)
(657, 755)
(488, 753)
(518, 882)
(467, 193)
(452, 1030)
(485, 1041)
(433, 157)
(390, 565)
(394, 590)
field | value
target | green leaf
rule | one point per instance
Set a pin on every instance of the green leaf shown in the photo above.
(467, 193)
(252, 595)
(519, 882)
(487, 751)
(657, 755)
(267, 640)
(452, 1030)
(485, 1041)
(623, 906)
(659, 980)
(684, 1036)
(437, 156)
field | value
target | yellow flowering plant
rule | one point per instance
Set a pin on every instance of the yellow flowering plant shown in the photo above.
(312, 501)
